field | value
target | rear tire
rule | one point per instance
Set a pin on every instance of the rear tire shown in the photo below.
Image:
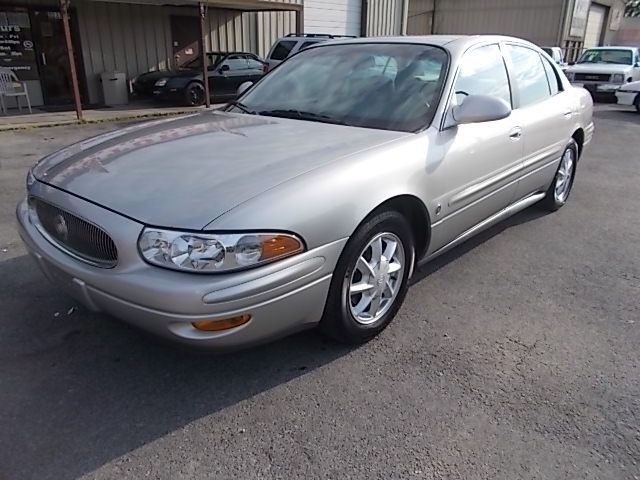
(370, 280)
(637, 103)
(560, 189)
(194, 94)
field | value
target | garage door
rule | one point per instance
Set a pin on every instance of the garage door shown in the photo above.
(338, 17)
(595, 24)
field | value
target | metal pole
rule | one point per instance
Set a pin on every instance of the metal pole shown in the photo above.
(203, 54)
(299, 21)
(64, 10)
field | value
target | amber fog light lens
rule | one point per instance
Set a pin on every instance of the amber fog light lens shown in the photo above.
(222, 324)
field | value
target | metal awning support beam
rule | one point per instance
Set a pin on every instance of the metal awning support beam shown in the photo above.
(64, 10)
(203, 54)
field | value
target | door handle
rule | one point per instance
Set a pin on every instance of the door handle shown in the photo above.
(568, 114)
(515, 133)
(44, 59)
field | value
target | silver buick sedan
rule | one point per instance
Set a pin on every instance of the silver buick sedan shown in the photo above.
(311, 199)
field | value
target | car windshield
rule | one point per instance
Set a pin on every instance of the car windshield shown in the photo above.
(607, 55)
(196, 63)
(390, 86)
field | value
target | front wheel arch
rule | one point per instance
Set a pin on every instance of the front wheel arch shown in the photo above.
(416, 214)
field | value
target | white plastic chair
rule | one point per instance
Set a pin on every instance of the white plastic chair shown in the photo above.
(10, 86)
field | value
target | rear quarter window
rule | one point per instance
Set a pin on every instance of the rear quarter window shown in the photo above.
(282, 50)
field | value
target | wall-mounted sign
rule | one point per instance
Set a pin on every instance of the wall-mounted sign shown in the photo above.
(579, 19)
(616, 18)
(16, 44)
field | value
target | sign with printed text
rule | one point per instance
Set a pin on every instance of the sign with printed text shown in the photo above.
(16, 44)
(579, 19)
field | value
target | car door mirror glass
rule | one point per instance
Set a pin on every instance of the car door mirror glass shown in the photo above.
(480, 108)
(243, 87)
(224, 68)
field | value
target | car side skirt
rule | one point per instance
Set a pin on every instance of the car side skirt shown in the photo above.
(488, 222)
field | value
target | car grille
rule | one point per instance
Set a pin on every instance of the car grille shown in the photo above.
(75, 235)
(593, 77)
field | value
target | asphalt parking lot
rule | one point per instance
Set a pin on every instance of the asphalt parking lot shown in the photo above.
(514, 356)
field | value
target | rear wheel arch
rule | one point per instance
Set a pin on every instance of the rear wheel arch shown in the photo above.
(578, 136)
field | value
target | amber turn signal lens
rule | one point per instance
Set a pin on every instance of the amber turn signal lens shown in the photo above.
(222, 324)
(279, 246)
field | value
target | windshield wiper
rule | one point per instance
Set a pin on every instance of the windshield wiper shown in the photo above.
(302, 115)
(242, 106)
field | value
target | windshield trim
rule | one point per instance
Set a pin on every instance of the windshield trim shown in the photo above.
(440, 93)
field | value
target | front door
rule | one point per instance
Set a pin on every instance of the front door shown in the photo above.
(185, 37)
(477, 175)
(51, 55)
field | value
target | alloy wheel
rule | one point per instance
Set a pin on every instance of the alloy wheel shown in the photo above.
(564, 178)
(376, 278)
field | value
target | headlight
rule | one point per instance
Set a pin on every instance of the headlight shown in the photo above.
(162, 82)
(617, 78)
(570, 76)
(209, 252)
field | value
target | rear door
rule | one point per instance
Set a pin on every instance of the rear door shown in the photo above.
(231, 72)
(544, 112)
(478, 173)
(256, 68)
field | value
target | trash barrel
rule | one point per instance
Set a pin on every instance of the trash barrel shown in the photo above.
(114, 88)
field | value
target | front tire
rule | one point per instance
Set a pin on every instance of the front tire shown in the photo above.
(560, 188)
(370, 280)
(637, 103)
(194, 94)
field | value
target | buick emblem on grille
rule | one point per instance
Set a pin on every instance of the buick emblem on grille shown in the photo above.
(61, 228)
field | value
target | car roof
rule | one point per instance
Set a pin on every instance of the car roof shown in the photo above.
(454, 43)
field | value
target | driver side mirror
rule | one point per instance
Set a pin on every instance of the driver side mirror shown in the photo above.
(224, 68)
(243, 87)
(480, 108)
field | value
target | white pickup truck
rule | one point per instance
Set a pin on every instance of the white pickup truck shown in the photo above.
(605, 69)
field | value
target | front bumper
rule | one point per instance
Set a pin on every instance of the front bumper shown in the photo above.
(595, 87)
(626, 98)
(281, 298)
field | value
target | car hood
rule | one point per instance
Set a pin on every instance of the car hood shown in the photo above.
(606, 68)
(185, 172)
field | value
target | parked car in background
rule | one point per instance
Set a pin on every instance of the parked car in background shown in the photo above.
(557, 55)
(605, 69)
(226, 71)
(629, 94)
(311, 199)
(294, 42)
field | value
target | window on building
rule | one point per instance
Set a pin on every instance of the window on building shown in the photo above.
(482, 72)
(529, 75)
(282, 49)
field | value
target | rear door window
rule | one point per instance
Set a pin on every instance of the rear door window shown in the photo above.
(282, 49)
(529, 74)
(307, 44)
